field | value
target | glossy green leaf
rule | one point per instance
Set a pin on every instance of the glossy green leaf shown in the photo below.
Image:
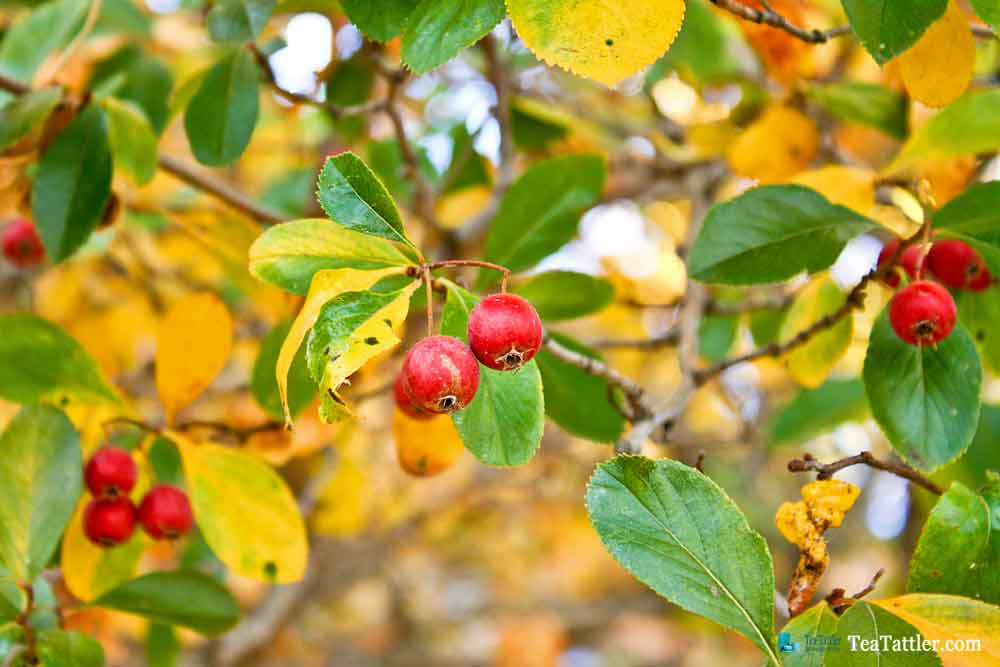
(438, 30)
(540, 212)
(579, 402)
(183, 597)
(40, 481)
(221, 116)
(968, 126)
(564, 295)
(238, 20)
(676, 531)
(25, 113)
(503, 424)
(865, 103)
(974, 217)
(886, 28)
(288, 254)
(29, 41)
(134, 76)
(380, 20)
(41, 362)
(866, 622)
(925, 399)
(59, 648)
(264, 385)
(162, 646)
(73, 184)
(133, 140)
(980, 312)
(802, 634)
(958, 552)
(771, 233)
(815, 411)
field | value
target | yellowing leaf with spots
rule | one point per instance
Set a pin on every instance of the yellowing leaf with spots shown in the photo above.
(425, 447)
(811, 362)
(245, 511)
(604, 40)
(955, 618)
(776, 146)
(193, 344)
(938, 68)
(325, 286)
(852, 187)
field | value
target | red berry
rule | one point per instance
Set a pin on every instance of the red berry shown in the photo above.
(911, 260)
(165, 512)
(505, 332)
(922, 313)
(955, 263)
(21, 245)
(440, 374)
(109, 521)
(982, 281)
(405, 403)
(110, 472)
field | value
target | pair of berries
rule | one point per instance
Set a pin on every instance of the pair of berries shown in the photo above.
(21, 245)
(441, 373)
(924, 312)
(110, 518)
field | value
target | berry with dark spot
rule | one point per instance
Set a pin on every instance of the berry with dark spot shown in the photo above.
(911, 261)
(505, 332)
(165, 512)
(440, 374)
(922, 313)
(21, 245)
(405, 403)
(956, 264)
(110, 472)
(109, 521)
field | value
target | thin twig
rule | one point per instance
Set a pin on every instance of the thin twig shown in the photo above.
(14, 86)
(24, 620)
(768, 16)
(475, 262)
(665, 340)
(826, 470)
(219, 189)
(595, 367)
(428, 287)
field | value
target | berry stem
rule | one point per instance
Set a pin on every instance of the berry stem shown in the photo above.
(475, 262)
(24, 620)
(430, 298)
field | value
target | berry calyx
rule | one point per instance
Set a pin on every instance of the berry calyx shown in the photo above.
(956, 264)
(922, 313)
(911, 260)
(982, 281)
(440, 374)
(505, 332)
(110, 472)
(21, 245)
(165, 512)
(109, 521)
(405, 403)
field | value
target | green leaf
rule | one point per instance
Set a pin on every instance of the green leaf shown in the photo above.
(968, 126)
(351, 81)
(765, 325)
(438, 30)
(958, 552)
(579, 402)
(26, 112)
(354, 197)
(676, 531)
(221, 116)
(974, 217)
(532, 125)
(264, 385)
(288, 254)
(539, 213)
(816, 622)
(133, 140)
(771, 233)
(134, 76)
(926, 398)
(41, 362)
(815, 411)
(811, 362)
(980, 312)
(29, 41)
(380, 20)
(865, 622)
(183, 597)
(503, 424)
(703, 49)
(162, 646)
(40, 481)
(889, 27)
(716, 335)
(73, 184)
(238, 20)
(564, 295)
(59, 648)
(989, 11)
(865, 103)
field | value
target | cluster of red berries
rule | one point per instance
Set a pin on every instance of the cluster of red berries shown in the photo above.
(924, 312)
(441, 373)
(110, 517)
(21, 245)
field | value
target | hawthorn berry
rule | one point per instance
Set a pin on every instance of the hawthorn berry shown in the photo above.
(957, 265)
(110, 472)
(109, 521)
(922, 313)
(911, 260)
(165, 512)
(405, 403)
(504, 331)
(21, 245)
(440, 374)
(981, 282)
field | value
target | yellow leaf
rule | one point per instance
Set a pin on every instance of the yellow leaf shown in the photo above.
(938, 68)
(951, 617)
(425, 447)
(193, 345)
(342, 509)
(811, 362)
(847, 186)
(245, 511)
(604, 40)
(829, 500)
(776, 146)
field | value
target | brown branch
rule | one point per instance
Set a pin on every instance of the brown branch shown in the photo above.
(595, 367)
(768, 16)
(218, 189)
(24, 620)
(664, 340)
(826, 470)
(838, 601)
(423, 195)
(13, 85)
